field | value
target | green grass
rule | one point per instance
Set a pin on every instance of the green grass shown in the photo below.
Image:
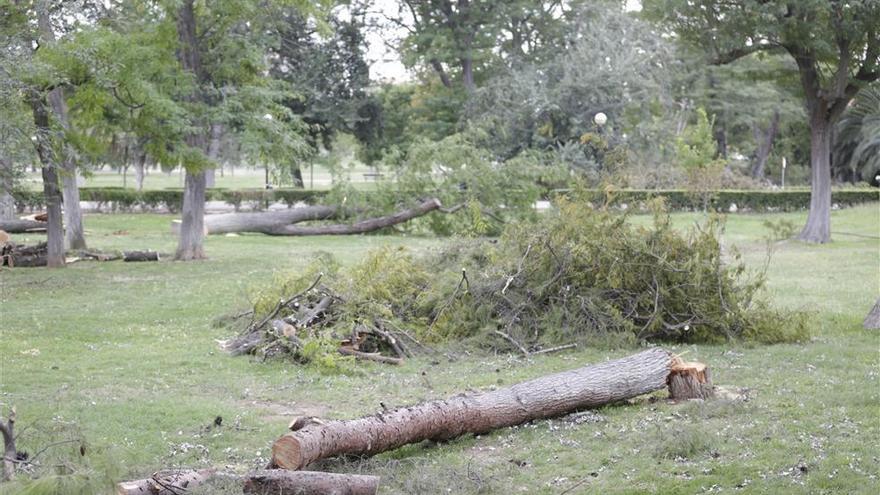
(124, 356)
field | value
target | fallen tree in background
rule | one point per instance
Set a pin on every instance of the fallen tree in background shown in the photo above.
(545, 397)
(21, 226)
(283, 222)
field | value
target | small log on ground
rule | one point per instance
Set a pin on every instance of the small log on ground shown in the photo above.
(168, 482)
(872, 321)
(21, 226)
(368, 356)
(283, 482)
(690, 381)
(140, 256)
(545, 397)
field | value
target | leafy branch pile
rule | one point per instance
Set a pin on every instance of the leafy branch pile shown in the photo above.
(579, 276)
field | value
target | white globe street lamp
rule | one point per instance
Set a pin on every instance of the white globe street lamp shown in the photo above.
(600, 119)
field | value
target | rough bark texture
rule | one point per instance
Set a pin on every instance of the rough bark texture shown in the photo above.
(190, 243)
(818, 227)
(872, 321)
(169, 482)
(283, 482)
(13, 255)
(7, 429)
(74, 232)
(362, 227)
(545, 397)
(264, 222)
(7, 202)
(51, 188)
(690, 381)
(17, 226)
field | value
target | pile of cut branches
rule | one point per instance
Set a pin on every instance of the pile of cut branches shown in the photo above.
(582, 275)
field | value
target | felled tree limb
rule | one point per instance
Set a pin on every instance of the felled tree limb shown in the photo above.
(361, 227)
(140, 256)
(17, 226)
(283, 482)
(264, 222)
(168, 482)
(544, 397)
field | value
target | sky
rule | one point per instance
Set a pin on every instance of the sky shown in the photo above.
(385, 62)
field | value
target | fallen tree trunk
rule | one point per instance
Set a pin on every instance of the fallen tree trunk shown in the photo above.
(361, 227)
(283, 482)
(13, 255)
(17, 226)
(140, 256)
(264, 222)
(545, 397)
(282, 222)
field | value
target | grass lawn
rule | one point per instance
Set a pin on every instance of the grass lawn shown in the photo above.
(124, 356)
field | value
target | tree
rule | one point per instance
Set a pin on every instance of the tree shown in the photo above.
(857, 147)
(835, 44)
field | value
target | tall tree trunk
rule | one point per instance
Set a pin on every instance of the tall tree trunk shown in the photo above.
(818, 227)
(139, 169)
(297, 175)
(190, 245)
(51, 188)
(444, 77)
(764, 145)
(7, 202)
(467, 74)
(75, 234)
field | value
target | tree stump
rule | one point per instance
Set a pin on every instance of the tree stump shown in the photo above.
(689, 380)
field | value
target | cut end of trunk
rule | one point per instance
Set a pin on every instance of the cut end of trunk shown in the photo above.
(689, 380)
(287, 453)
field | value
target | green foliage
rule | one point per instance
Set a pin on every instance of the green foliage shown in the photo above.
(695, 151)
(857, 145)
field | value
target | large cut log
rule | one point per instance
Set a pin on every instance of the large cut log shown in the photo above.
(362, 227)
(14, 255)
(545, 397)
(283, 482)
(16, 226)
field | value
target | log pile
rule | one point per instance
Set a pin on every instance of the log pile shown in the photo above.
(16, 255)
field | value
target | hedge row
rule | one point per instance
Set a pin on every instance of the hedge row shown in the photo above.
(723, 200)
(119, 199)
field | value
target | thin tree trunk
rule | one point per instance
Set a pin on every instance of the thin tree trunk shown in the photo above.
(139, 170)
(51, 188)
(444, 77)
(467, 74)
(7, 183)
(818, 227)
(764, 145)
(541, 398)
(213, 152)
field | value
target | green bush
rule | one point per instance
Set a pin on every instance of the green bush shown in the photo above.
(579, 275)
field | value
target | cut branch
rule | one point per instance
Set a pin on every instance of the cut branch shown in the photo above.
(545, 397)
(283, 482)
(17, 226)
(361, 227)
